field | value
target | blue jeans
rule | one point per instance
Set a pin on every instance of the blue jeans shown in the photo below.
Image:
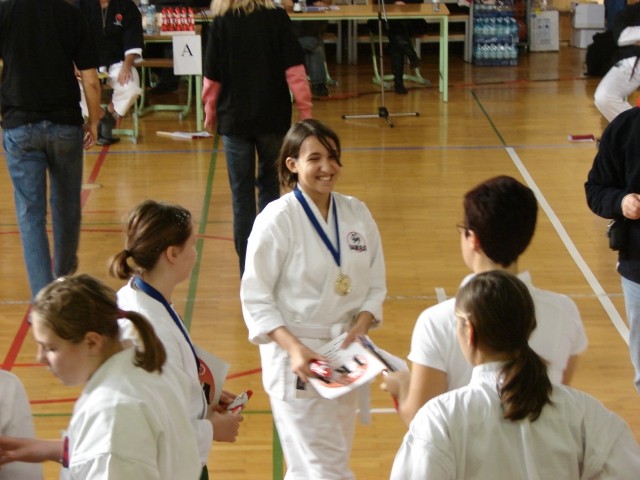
(241, 164)
(31, 151)
(631, 292)
(314, 58)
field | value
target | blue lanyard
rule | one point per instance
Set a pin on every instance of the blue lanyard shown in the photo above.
(156, 295)
(314, 221)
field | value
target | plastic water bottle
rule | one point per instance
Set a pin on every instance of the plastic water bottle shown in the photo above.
(148, 13)
(152, 27)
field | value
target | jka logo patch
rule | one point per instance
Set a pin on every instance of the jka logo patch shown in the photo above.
(356, 242)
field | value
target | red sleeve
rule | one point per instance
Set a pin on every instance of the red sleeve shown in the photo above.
(299, 86)
(210, 92)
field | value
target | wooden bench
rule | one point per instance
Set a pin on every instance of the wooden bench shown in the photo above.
(466, 36)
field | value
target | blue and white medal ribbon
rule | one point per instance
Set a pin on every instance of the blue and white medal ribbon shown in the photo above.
(343, 282)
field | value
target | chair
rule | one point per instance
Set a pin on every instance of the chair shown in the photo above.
(415, 77)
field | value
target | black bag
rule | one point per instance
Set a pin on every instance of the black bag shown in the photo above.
(601, 54)
(617, 233)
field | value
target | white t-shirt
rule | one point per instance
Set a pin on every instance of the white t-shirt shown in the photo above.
(462, 434)
(559, 335)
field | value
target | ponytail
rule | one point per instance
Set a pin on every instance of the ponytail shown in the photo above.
(524, 386)
(150, 228)
(151, 355)
(501, 310)
(119, 267)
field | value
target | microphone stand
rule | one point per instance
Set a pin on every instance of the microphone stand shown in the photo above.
(383, 112)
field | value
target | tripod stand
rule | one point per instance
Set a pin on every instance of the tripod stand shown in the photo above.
(383, 112)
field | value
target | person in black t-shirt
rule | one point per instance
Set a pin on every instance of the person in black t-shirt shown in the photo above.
(252, 62)
(40, 42)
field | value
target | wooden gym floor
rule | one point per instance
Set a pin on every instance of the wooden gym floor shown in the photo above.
(507, 120)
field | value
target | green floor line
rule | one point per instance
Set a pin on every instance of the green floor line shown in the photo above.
(493, 125)
(193, 281)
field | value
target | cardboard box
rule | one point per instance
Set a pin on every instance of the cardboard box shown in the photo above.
(587, 15)
(543, 31)
(583, 37)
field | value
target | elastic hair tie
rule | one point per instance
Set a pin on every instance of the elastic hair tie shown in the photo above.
(122, 314)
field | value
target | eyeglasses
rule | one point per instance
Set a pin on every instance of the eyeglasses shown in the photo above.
(463, 229)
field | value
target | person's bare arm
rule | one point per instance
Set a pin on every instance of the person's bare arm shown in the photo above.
(125, 74)
(31, 450)
(299, 354)
(91, 86)
(413, 390)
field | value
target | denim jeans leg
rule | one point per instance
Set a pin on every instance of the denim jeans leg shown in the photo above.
(27, 164)
(268, 147)
(314, 58)
(631, 292)
(241, 165)
(65, 152)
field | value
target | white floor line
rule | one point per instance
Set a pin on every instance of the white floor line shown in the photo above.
(615, 317)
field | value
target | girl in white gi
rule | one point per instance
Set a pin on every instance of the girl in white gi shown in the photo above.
(16, 421)
(161, 241)
(130, 422)
(314, 269)
(510, 421)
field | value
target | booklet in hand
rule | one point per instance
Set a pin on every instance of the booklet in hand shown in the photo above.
(351, 367)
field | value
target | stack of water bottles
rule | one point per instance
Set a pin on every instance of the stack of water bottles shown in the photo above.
(149, 19)
(495, 33)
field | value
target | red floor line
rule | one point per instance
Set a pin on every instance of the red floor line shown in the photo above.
(214, 237)
(244, 374)
(94, 173)
(51, 401)
(69, 400)
(23, 365)
(18, 340)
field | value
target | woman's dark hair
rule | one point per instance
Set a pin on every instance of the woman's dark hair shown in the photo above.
(151, 228)
(501, 310)
(502, 213)
(73, 306)
(292, 142)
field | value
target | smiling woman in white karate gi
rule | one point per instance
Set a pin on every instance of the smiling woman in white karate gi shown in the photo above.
(314, 269)
(130, 422)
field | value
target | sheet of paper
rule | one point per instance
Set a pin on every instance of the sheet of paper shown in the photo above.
(184, 135)
(213, 372)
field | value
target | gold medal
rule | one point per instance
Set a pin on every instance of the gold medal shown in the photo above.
(343, 285)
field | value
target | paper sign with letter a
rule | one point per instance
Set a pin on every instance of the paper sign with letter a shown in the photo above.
(187, 55)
